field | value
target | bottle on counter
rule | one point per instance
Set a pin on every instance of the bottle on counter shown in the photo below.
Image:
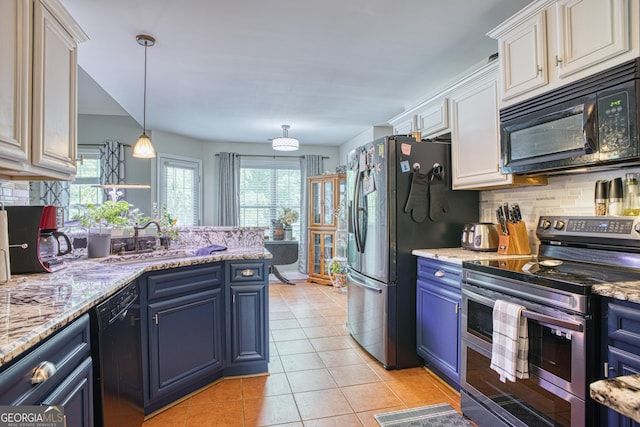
(631, 196)
(601, 197)
(616, 197)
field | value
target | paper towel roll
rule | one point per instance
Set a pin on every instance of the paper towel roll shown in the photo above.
(5, 266)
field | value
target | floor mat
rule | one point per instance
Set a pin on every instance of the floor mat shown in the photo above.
(441, 415)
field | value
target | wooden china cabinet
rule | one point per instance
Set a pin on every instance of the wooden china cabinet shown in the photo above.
(326, 224)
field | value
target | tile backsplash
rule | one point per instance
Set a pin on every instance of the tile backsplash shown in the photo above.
(565, 194)
(14, 192)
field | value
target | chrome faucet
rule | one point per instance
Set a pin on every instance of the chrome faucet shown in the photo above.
(137, 229)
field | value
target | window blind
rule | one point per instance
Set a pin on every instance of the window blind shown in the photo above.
(180, 188)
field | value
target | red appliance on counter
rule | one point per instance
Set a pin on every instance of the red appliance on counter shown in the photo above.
(35, 244)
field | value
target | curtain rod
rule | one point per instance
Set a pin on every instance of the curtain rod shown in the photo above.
(269, 155)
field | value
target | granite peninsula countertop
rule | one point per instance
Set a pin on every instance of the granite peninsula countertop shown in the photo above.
(622, 394)
(33, 306)
(459, 255)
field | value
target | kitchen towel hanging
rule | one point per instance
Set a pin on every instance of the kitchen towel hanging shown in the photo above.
(510, 341)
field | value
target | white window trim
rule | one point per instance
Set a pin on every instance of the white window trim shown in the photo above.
(160, 159)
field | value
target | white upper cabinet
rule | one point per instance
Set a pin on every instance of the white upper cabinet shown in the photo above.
(554, 42)
(38, 109)
(430, 118)
(14, 82)
(589, 32)
(523, 53)
(475, 138)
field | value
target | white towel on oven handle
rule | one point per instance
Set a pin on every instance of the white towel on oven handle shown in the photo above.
(510, 348)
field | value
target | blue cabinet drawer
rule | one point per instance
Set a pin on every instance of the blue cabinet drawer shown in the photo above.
(246, 271)
(168, 283)
(437, 271)
(66, 350)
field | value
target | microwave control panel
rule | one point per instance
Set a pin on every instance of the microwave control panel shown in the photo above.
(613, 122)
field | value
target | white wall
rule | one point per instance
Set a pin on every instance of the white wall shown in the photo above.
(365, 137)
(95, 129)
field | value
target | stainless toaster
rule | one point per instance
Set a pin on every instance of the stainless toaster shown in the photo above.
(480, 236)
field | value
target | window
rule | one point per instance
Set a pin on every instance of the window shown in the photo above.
(266, 186)
(81, 190)
(179, 187)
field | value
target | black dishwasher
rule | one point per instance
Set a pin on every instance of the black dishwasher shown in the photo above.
(118, 371)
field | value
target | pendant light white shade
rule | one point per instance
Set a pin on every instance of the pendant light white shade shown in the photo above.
(285, 142)
(143, 148)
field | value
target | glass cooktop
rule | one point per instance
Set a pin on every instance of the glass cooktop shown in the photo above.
(571, 276)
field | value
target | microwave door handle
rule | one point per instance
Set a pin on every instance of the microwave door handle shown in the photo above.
(588, 128)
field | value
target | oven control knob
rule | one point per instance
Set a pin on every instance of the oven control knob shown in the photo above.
(637, 227)
(545, 224)
(558, 225)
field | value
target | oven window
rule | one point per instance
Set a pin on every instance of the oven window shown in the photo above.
(479, 320)
(550, 349)
(524, 399)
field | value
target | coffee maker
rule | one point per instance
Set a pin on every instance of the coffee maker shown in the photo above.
(35, 244)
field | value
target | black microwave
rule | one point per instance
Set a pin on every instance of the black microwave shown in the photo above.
(591, 122)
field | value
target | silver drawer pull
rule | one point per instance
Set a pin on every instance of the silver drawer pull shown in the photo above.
(43, 372)
(439, 273)
(247, 272)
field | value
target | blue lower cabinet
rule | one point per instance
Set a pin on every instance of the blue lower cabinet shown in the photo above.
(183, 331)
(438, 318)
(69, 383)
(622, 351)
(247, 320)
(185, 341)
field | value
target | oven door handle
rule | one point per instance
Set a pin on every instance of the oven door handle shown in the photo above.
(549, 320)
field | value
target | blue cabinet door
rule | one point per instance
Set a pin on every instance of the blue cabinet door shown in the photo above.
(438, 335)
(185, 341)
(438, 328)
(75, 394)
(248, 326)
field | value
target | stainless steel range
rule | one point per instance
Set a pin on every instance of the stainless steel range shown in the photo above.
(563, 321)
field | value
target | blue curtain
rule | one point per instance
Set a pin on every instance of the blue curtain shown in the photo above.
(310, 165)
(229, 186)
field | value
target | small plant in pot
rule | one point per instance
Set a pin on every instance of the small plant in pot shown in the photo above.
(288, 217)
(100, 220)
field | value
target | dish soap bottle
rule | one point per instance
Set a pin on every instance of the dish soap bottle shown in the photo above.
(631, 197)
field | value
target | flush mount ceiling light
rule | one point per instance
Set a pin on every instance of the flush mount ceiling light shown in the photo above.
(144, 148)
(285, 142)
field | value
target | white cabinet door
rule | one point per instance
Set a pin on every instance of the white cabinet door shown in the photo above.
(589, 32)
(54, 96)
(434, 118)
(14, 82)
(475, 145)
(523, 56)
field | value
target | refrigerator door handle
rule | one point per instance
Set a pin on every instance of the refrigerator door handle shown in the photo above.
(356, 212)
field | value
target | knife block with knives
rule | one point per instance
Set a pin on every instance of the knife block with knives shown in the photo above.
(514, 239)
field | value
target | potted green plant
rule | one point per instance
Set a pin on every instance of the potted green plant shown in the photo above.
(338, 273)
(100, 220)
(288, 217)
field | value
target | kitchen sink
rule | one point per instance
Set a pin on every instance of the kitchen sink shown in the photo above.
(149, 256)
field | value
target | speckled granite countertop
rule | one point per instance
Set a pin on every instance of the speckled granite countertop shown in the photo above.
(622, 394)
(628, 291)
(34, 306)
(459, 255)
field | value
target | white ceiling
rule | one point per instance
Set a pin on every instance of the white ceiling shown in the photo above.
(236, 70)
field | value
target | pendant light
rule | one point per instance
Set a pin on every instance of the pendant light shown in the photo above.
(143, 148)
(285, 142)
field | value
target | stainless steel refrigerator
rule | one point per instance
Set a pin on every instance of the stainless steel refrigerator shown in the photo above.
(399, 198)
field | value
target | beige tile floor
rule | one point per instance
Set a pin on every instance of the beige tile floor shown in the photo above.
(318, 376)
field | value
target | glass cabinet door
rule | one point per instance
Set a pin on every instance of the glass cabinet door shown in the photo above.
(328, 202)
(316, 203)
(316, 254)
